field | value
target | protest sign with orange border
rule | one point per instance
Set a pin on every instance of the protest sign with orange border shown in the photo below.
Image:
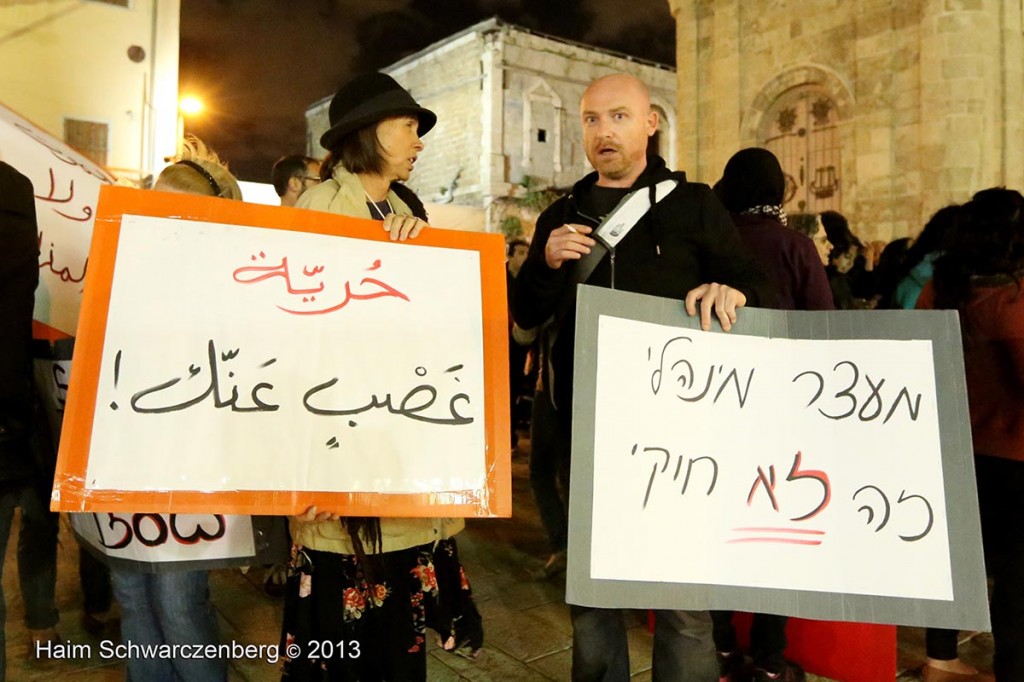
(366, 377)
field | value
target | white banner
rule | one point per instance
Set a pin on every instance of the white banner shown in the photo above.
(822, 457)
(238, 358)
(162, 538)
(66, 186)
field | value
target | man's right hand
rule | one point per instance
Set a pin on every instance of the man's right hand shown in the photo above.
(568, 242)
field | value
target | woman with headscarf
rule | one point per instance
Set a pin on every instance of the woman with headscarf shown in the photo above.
(981, 275)
(751, 189)
(375, 581)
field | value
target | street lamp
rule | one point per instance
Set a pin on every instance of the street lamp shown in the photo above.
(188, 105)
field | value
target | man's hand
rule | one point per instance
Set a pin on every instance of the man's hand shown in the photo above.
(723, 298)
(568, 242)
(402, 227)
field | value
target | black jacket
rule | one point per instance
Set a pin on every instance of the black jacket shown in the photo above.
(687, 239)
(19, 275)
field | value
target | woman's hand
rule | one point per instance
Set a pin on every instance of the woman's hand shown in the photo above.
(311, 515)
(402, 227)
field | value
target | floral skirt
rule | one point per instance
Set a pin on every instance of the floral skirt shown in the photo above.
(345, 621)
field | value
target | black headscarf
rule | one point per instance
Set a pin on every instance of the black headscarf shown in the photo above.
(752, 177)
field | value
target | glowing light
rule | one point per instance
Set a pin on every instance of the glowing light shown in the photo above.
(190, 105)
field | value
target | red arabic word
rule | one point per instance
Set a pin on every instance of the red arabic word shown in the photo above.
(251, 274)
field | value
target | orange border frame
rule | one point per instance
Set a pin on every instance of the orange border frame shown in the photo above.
(70, 493)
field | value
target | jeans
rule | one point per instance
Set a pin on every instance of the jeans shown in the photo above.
(683, 647)
(168, 608)
(549, 464)
(37, 559)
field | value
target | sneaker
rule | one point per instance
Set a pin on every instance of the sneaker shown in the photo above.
(790, 673)
(275, 581)
(931, 674)
(733, 666)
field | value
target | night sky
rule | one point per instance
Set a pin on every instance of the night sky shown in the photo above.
(258, 64)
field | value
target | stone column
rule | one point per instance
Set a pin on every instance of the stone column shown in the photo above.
(1012, 38)
(962, 98)
(493, 182)
(685, 14)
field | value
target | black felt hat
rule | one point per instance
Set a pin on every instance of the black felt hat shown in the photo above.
(367, 99)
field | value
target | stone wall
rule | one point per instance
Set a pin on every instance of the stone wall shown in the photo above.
(448, 81)
(929, 94)
(536, 64)
(494, 88)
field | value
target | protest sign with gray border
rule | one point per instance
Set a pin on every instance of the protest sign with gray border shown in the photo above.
(811, 464)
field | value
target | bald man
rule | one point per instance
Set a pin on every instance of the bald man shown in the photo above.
(685, 248)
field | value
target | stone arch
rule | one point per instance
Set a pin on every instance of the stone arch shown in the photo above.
(801, 115)
(834, 85)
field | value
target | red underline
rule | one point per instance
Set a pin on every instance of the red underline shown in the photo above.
(786, 541)
(805, 531)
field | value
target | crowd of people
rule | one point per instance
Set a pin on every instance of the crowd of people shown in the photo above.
(383, 582)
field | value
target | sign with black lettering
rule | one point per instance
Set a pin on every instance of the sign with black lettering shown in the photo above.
(242, 359)
(810, 464)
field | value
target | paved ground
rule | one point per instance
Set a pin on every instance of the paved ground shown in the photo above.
(529, 636)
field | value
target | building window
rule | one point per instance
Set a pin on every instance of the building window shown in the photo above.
(89, 138)
(542, 114)
(802, 129)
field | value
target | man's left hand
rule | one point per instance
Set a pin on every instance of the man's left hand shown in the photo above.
(722, 297)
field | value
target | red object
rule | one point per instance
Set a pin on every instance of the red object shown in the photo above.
(850, 652)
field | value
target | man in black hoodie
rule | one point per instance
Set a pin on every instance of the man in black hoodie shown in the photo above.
(685, 247)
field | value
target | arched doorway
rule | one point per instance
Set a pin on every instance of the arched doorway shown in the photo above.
(802, 129)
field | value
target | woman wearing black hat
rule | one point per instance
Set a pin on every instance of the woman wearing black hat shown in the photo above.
(374, 140)
(371, 586)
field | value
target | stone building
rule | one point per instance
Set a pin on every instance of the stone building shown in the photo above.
(507, 104)
(883, 109)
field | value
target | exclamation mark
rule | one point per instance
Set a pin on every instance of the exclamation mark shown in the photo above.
(117, 375)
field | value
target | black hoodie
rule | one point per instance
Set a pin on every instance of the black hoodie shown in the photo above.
(686, 240)
(19, 274)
